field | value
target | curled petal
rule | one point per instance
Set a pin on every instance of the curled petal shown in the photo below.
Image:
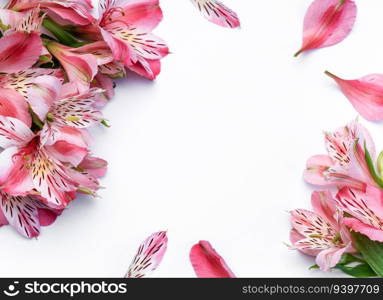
(95, 166)
(207, 263)
(149, 255)
(372, 232)
(327, 22)
(365, 94)
(217, 13)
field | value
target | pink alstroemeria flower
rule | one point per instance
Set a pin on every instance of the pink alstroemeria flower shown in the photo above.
(21, 45)
(345, 163)
(126, 26)
(320, 232)
(81, 68)
(366, 210)
(149, 255)
(207, 263)
(75, 11)
(217, 13)
(29, 168)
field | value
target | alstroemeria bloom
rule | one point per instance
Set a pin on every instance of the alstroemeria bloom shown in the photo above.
(207, 263)
(75, 11)
(217, 13)
(65, 107)
(327, 22)
(80, 68)
(126, 27)
(28, 168)
(320, 232)
(365, 209)
(21, 46)
(345, 163)
(149, 255)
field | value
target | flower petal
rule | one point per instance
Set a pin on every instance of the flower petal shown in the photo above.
(149, 255)
(311, 224)
(12, 104)
(207, 263)
(372, 232)
(327, 22)
(329, 258)
(217, 13)
(324, 204)
(315, 168)
(365, 94)
(21, 213)
(19, 51)
(13, 132)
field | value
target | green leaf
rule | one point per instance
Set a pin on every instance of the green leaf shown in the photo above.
(63, 36)
(348, 258)
(359, 271)
(372, 252)
(371, 167)
(314, 267)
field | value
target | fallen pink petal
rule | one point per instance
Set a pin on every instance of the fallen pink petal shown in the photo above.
(327, 22)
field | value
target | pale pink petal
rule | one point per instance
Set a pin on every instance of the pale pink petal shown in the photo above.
(78, 110)
(311, 224)
(365, 94)
(100, 50)
(373, 233)
(12, 104)
(315, 167)
(114, 69)
(324, 204)
(217, 13)
(295, 237)
(19, 51)
(207, 263)
(329, 258)
(42, 93)
(327, 22)
(21, 213)
(149, 255)
(13, 132)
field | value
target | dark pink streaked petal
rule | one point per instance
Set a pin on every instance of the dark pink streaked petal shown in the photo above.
(327, 22)
(19, 51)
(207, 263)
(217, 13)
(365, 94)
(149, 255)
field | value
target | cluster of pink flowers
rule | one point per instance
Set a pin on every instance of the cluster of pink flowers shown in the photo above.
(57, 62)
(344, 229)
(351, 202)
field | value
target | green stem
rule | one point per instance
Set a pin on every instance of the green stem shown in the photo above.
(63, 36)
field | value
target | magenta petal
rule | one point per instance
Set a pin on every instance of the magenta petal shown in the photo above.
(207, 263)
(13, 104)
(365, 94)
(47, 216)
(19, 51)
(327, 22)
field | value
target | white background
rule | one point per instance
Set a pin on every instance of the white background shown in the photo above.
(213, 149)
